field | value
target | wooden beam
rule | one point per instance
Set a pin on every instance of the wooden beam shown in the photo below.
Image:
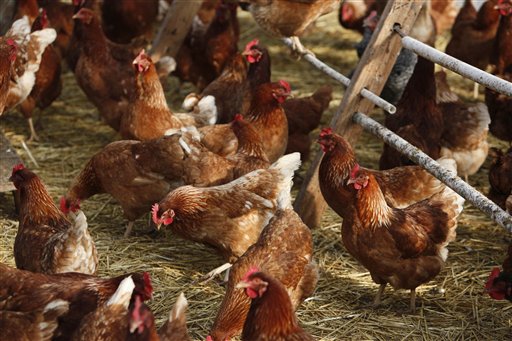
(371, 73)
(174, 29)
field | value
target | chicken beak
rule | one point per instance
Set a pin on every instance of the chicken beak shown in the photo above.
(158, 226)
(242, 285)
(351, 181)
(133, 326)
(246, 53)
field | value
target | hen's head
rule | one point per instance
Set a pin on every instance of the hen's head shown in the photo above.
(143, 285)
(326, 140)
(251, 52)
(358, 178)
(19, 175)
(504, 7)
(13, 49)
(141, 317)
(67, 205)
(142, 62)
(159, 218)
(281, 90)
(498, 286)
(371, 21)
(253, 283)
(85, 15)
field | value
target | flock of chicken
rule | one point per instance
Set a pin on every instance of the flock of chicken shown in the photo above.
(221, 179)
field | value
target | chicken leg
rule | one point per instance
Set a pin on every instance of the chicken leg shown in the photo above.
(475, 90)
(413, 301)
(129, 228)
(298, 48)
(33, 134)
(376, 301)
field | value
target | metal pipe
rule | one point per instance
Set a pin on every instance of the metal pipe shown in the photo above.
(422, 159)
(381, 103)
(454, 64)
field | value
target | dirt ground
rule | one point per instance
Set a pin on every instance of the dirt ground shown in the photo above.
(451, 307)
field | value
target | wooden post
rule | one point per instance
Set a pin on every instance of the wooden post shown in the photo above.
(174, 29)
(371, 73)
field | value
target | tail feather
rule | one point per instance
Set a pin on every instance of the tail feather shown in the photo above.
(207, 110)
(452, 205)
(79, 252)
(123, 293)
(179, 309)
(287, 165)
(51, 312)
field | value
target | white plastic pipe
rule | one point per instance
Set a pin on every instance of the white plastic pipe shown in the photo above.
(422, 159)
(456, 65)
(381, 103)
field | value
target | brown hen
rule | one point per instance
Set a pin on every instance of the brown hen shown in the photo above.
(25, 291)
(126, 20)
(271, 315)
(402, 186)
(500, 106)
(267, 117)
(98, 64)
(135, 173)
(288, 18)
(48, 83)
(46, 240)
(473, 33)
(229, 217)
(304, 115)
(285, 251)
(39, 325)
(500, 177)
(403, 247)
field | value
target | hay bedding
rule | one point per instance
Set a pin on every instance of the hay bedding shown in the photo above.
(450, 307)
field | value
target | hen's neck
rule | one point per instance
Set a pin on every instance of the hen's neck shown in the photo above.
(187, 202)
(264, 110)
(259, 72)
(249, 143)
(487, 16)
(336, 166)
(504, 44)
(149, 89)
(271, 315)
(93, 41)
(372, 206)
(36, 204)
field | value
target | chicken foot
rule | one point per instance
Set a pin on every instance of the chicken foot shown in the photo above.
(413, 301)
(377, 300)
(298, 48)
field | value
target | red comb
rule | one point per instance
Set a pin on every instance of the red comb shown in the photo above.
(64, 205)
(354, 171)
(253, 269)
(327, 131)
(154, 213)
(17, 168)
(238, 117)
(209, 338)
(285, 85)
(10, 42)
(252, 43)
